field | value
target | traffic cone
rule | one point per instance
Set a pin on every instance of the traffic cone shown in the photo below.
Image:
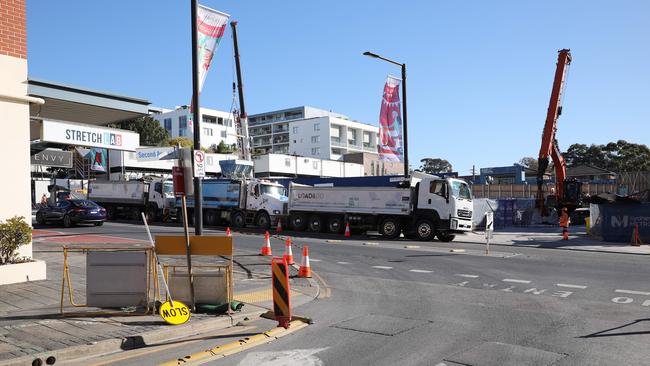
(266, 249)
(288, 254)
(347, 230)
(636, 241)
(278, 229)
(228, 231)
(305, 268)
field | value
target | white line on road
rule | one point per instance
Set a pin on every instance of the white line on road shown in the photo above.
(515, 281)
(315, 260)
(382, 267)
(466, 275)
(420, 271)
(343, 262)
(570, 285)
(632, 292)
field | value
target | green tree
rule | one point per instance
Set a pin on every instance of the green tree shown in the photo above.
(180, 140)
(619, 156)
(528, 162)
(150, 130)
(435, 165)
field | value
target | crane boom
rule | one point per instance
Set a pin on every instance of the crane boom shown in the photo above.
(242, 123)
(550, 147)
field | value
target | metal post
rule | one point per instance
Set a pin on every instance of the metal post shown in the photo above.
(406, 139)
(196, 115)
(187, 251)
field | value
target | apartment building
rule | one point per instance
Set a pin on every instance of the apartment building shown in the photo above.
(216, 125)
(310, 132)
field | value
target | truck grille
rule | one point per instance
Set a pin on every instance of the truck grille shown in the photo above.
(466, 214)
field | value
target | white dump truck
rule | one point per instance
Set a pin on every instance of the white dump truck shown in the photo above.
(151, 195)
(427, 207)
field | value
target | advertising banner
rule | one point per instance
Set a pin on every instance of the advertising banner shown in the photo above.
(210, 27)
(390, 123)
(92, 136)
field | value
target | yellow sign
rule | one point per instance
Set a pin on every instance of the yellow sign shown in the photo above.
(177, 314)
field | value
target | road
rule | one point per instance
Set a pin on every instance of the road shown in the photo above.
(412, 303)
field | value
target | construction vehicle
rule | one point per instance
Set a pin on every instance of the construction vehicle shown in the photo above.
(151, 195)
(567, 191)
(428, 206)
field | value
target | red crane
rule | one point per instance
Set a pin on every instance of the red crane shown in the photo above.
(567, 191)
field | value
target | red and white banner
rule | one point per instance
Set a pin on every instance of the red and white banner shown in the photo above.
(391, 146)
(210, 27)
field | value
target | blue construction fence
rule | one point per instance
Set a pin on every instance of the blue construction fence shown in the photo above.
(507, 211)
(615, 222)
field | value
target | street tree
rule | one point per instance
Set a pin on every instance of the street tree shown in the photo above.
(619, 156)
(435, 165)
(150, 130)
(528, 162)
(180, 140)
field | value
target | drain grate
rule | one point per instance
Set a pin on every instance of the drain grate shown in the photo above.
(503, 354)
(380, 324)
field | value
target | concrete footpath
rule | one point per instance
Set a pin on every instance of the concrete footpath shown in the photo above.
(551, 237)
(31, 325)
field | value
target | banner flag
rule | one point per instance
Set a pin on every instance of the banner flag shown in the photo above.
(391, 146)
(210, 27)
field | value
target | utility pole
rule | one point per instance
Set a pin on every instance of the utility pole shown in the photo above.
(473, 173)
(243, 117)
(196, 116)
(406, 135)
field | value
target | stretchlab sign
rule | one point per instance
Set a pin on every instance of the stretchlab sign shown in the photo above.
(56, 158)
(85, 135)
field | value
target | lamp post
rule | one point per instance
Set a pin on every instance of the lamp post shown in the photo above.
(404, 116)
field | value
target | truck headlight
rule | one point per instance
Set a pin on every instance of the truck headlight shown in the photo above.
(276, 212)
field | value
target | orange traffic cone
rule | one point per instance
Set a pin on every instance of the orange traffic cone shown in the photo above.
(305, 268)
(288, 254)
(278, 229)
(347, 229)
(636, 241)
(266, 249)
(228, 231)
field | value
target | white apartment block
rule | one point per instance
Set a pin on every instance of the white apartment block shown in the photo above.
(216, 126)
(310, 132)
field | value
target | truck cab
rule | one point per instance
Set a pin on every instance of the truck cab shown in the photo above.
(266, 202)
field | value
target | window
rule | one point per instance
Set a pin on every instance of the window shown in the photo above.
(315, 150)
(209, 119)
(223, 134)
(438, 187)
(316, 126)
(460, 190)
(295, 130)
(220, 121)
(208, 132)
(182, 132)
(182, 122)
(168, 125)
(287, 162)
(315, 139)
(315, 164)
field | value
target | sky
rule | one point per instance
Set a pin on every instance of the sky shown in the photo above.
(479, 72)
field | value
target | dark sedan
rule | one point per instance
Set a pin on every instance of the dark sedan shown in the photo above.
(70, 212)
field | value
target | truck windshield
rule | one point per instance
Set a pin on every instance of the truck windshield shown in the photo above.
(168, 187)
(273, 190)
(460, 190)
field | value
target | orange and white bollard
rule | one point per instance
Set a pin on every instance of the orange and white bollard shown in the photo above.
(228, 233)
(347, 230)
(305, 268)
(288, 254)
(278, 229)
(266, 249)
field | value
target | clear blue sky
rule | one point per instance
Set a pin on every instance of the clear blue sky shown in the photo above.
(479, 72)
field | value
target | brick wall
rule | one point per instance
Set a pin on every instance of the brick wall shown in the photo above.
(13, 28)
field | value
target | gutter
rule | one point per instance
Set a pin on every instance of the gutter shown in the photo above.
(21, 99)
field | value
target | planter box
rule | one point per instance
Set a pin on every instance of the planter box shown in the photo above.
(22, 272)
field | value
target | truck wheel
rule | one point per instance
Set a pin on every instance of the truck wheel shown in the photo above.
(390, 228)
(315, 223)
(445, 237)
(335, 224)
(298, 222)
(238, 219)
(262, 220)
(425, 230)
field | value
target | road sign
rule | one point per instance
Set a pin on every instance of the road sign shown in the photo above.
(281, 291)
(179, 180)
(179, 313)
(155, 153)
(199, 164)
(489, 224)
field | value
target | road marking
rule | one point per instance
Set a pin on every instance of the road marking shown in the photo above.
(514, 281)
(466, 275)
(382, 267)
(570, 285)
(420, 271)
(315, 260)
(371, 243)
(411, 246)
(343, 262)
(622, 300)
(457, 250)
(632, 292)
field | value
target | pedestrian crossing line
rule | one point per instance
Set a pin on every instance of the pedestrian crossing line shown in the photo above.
(514, 280)
(420, 271)
(343, 262)
(568, 285)
(382, 267)
(466, 275)
(632, 292)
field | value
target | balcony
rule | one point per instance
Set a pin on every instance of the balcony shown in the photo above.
(336, 141)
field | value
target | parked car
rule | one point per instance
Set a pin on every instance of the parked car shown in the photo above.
(70, 212)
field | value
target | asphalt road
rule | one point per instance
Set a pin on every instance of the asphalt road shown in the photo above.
(392, 303)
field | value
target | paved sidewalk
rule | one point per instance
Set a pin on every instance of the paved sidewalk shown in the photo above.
(31, 325)
(551, 237)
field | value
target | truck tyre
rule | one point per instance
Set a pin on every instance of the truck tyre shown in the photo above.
(298, 221)
(67, 222)
(238, 219)
(335, 224)
(390, 228)
(315, 223)
(262, 220)
(425, 230)
(445, 237)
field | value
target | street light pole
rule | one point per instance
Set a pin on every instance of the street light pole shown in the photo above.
(404, 110)
(198, 197)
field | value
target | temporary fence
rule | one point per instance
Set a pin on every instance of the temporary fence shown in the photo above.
(616, 222)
